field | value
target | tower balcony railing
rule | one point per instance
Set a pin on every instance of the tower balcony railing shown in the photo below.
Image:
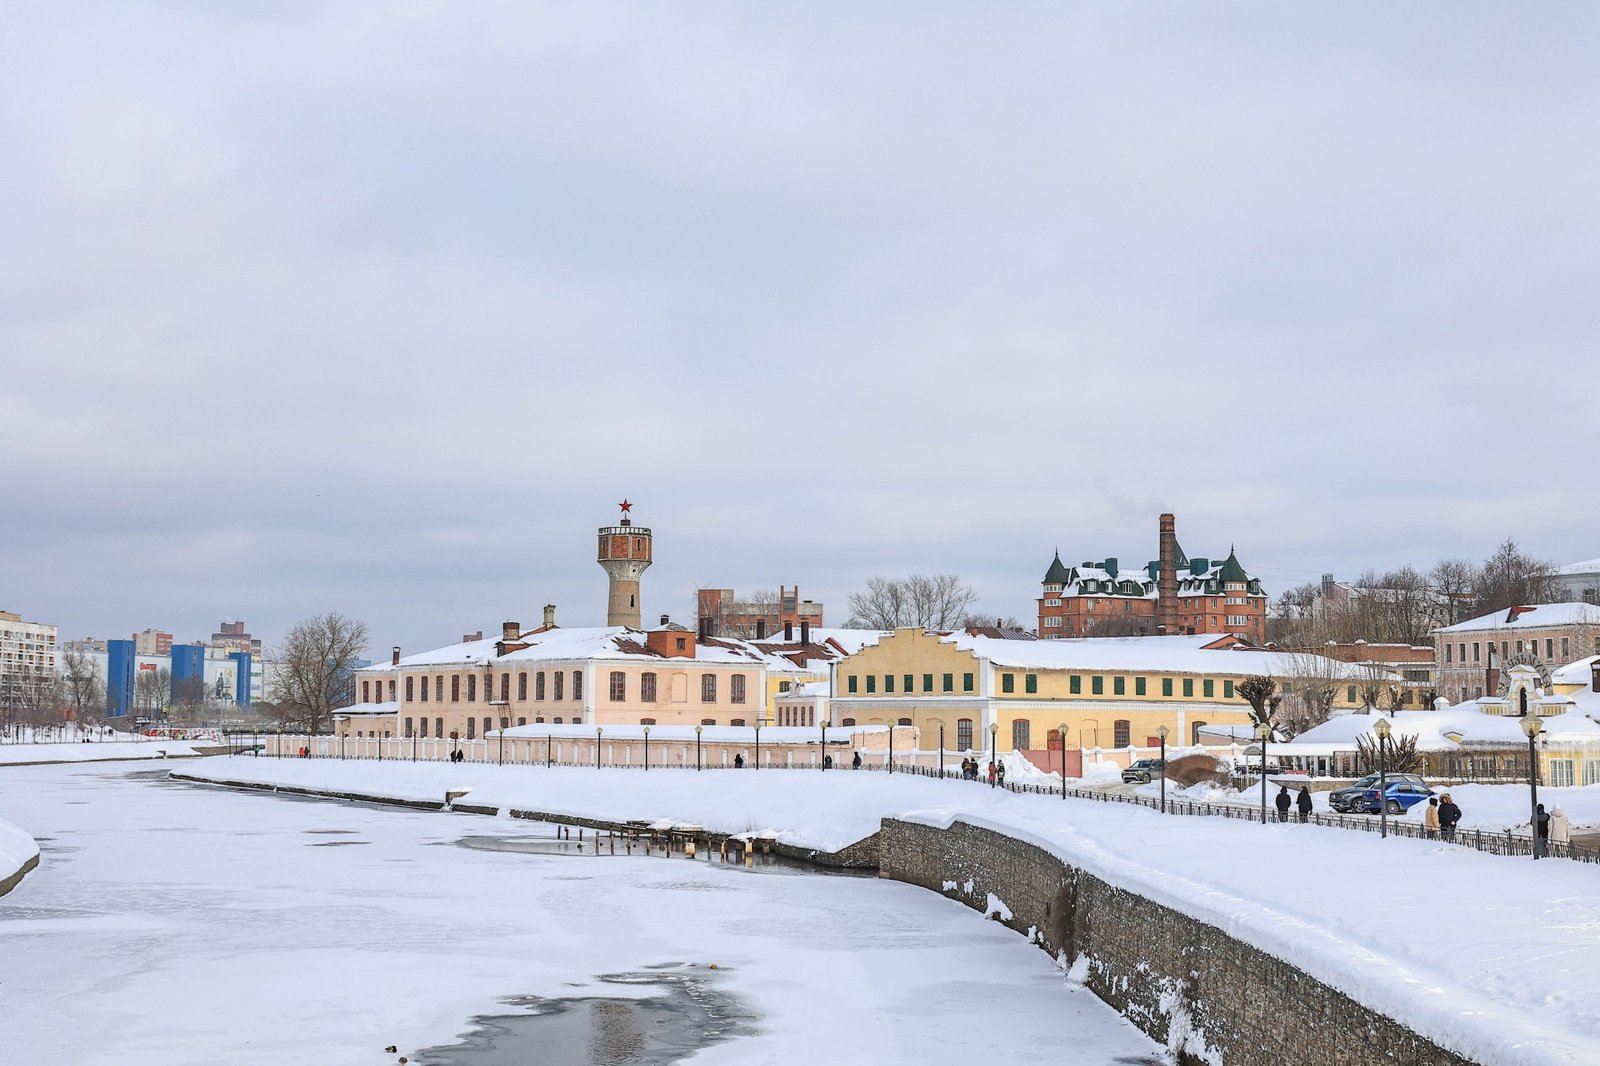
(619, 531)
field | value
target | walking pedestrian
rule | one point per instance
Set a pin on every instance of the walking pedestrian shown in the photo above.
(1282, 803)
(855, 763)
(1449, 815)
(738, 761)
(1000, 774)
(1303, 804)
(1560, 829)
(1541, 832)
(991, 773)
(1430, 818)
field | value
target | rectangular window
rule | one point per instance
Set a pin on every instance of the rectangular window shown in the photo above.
(1020, 739)
(927, 682)
(505, 688)
(1138, 686)
(964, 734)
(736, 688)
(1591, 771)
(966, 682)
(1350, 694)
(438, 689)
(708, 688)
(472, 688)
(1449, 653)
(908, 679)
(455, 688)
(1562, 773)
(1227, 690)
(1166, 686)
(1030, 683)
(647, 687)
(1475, 647)
(1566, 648)
(422, 690)
(577, 685)
(1075, 684)
(366, 692)
(1119, 686)
(1097, 685)
(409, 688)
(872, 683)
(850, 682)
(522, 687)
(1549, 648)
(560, 680)
(949, 681)
(888, 682)
(1008, 682)
(619, 686)
(1208, 688)
(1188, 688)
(538, 685)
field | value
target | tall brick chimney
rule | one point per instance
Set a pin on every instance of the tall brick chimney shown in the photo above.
(510, 630)
(761, 629)
(788, 631)
(805, 631)
(549, 615)
(1167, 578)
(394, 660)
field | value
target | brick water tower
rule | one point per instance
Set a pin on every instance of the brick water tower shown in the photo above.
(624, 554)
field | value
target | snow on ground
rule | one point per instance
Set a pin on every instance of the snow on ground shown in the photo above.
(16, 848)
(1497, 958)
(1501, 807)
(176, 925)
(148, 748)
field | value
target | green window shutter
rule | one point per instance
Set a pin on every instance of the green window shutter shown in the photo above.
(1031, 683)
(852, 684)
(872, 683)
(1138, 686)
(1188, 687)
(927, 682)
(910, 688)
(1227, 690)
(949, 682)
(1075, 684)
(1166, 686)
(1097, 685)
(1119, 686)
(1008, 682)
(888, 682)
(966, 682)
(1209, 687)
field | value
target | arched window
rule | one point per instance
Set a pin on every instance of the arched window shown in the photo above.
(647, 721)
(472, 688)
(538, 685)
(847, 721)
(737, 721)
(538, 719)
(577, 685)
(522, 721)
(409, 688)
(408, 727)
(903, 721)
(556, 720)
(505, 688)
(423, 722)
(455, 688)
(708, 721)
(472, 728)
(560, 680)
(1121, 733)
(438, 727)
(423, 690)
(522, 687)
(392, 693)
(1195, 732)
(438, 689)
(619, 686)
(488, 726)
(963, 734)
(366, 692)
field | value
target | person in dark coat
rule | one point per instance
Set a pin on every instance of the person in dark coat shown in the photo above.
(855, 763)
(1449, 815)
(738, 761)
(1000, 774)
(1283, 802)
(1541, 832)
(1303, 804)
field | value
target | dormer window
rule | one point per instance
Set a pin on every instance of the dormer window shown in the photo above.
(682, 643)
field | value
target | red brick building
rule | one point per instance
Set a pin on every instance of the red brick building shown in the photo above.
(1173, 594)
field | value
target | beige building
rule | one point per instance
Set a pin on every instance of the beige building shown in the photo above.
(27, 650)
(1471, 657)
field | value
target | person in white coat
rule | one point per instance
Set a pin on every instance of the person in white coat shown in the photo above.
(1560, 828)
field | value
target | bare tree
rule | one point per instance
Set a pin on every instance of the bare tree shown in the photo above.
(933, 601)
(29, 698)
(1400, 755)
(1453, 581)
(1261, 693)
(82, 688)
(1310, 685)
(152, 690)
(1509, 578)
(316, 669)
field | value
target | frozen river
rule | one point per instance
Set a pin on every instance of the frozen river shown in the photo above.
(172, 924)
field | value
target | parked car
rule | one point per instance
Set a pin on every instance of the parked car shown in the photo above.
(1399, 797)
(1350, 799)
(1144, 770)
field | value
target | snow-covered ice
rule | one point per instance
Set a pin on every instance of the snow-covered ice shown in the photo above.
(173, 924)
(1497, 958)
(99, 751)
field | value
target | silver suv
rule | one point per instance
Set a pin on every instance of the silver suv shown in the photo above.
(1143, 770)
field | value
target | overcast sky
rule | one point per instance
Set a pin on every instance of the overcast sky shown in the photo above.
(381, 308)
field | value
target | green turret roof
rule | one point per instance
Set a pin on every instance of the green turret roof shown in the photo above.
(1231, 570)
(1057, 574)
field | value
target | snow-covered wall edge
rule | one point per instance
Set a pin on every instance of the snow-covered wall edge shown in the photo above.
(19, 853)
(1211, 997)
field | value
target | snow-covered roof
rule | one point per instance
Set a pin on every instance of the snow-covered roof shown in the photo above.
(1588, 566)
(1575, 673)
(1463, 724)
(709, 734)
(592, 642)
(809, 690)
(1174, 654)
(848, 641)
(368, 710)
(1529, 617)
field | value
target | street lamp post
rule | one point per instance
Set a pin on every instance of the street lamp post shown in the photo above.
(598, 731)
(822, 763)
(646, 749)
(1062, 728)
(1263, 731)
(891, 747)
(697, 746)
(1531, 725)
(1162, 733)
(547, 745)
(941, 751)
(994, 733)
(1381, 727)
(758, 743)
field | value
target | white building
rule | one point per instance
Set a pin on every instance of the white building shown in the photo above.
(26, 648)
(1579, 581)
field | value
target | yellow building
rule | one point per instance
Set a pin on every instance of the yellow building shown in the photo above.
(1109, 693)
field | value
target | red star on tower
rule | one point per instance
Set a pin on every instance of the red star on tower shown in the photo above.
(626, 506)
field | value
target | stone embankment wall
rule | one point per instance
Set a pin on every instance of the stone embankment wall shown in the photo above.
(1209, 997)
(8, 883)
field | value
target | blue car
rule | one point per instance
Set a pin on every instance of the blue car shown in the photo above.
(1399, 797)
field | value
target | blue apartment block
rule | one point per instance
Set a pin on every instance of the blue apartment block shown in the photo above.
(241, 677)
(119, 677)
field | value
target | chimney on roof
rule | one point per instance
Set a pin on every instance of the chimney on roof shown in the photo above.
(549, 614)
(761, 629)
(805, 631)
(788, 631)
(510, 630)
(705, 628)
(394, 659)
(666, 619)
(1167, 576)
